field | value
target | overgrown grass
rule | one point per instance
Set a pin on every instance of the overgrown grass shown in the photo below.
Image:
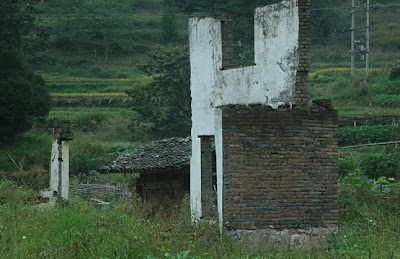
(369, 226)
(374, 161)
(28, 150)
(356, 95)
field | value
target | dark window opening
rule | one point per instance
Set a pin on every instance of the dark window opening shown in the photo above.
(208, 177)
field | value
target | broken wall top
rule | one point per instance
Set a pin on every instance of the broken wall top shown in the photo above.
(62, 130)
(279, 76)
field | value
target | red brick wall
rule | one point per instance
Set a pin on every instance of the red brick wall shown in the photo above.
(280, 167)
(304, 52)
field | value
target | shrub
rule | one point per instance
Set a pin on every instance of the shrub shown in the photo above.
(380, 164)
(347, 163)
(11, 193)
(385, 100)
(31, 149)
(86, 156)
(393, 87)
(365, 134)
(394, 73)
(36, 178)
(361, 197)
(23, 97)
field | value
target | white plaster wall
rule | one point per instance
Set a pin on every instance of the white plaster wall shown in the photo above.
(271, 81)
(276, 34)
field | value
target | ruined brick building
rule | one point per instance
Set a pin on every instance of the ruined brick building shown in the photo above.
(275, 156)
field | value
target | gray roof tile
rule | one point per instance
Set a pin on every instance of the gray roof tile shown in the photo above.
(160, 156)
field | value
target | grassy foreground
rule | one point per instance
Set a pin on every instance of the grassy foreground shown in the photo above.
(369, 228)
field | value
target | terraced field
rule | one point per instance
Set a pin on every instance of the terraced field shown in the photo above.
(69, 91)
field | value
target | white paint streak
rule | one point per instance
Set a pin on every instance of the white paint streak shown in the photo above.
(271, 81)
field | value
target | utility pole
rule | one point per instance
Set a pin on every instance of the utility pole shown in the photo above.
(367, 43)
(360, 47)
(352, 29)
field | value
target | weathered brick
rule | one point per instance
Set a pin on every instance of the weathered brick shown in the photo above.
(285, 177)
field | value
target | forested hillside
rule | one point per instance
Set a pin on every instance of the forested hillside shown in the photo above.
(94, 35)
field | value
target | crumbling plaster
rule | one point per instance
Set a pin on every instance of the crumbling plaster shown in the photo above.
(270, 81)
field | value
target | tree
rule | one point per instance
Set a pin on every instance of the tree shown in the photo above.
(162, 107)
(169, 27)
(16, 20)
(97, 27)
(327, 19)
(23, 95)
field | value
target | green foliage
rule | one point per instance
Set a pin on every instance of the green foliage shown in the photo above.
(35, 178)
(369, 225)
(80, 33)
(86, 156)
(360, 195)
(393, 87)
(395, 73)
(162, 107)
(120, 150)
(16, 21)
(386, 100)
(376, 165)
(30, 150)
(366, 134)
(368, 214)
(23, 95)
(181, 255)
(23, 98)
(326, 20)
(373, 161)
(169, 24)
(12, 196)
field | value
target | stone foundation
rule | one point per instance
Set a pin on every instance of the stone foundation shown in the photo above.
(282, 239)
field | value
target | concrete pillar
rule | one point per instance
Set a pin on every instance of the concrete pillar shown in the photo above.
(59, 163)
(64, 168)
(54, 166)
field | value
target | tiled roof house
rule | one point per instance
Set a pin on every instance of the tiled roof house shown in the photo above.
(163, 167)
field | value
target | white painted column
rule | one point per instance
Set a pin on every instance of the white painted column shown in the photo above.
(205, 62)
(64, 170)
(195, 179)
(54, 167)
(219, 164)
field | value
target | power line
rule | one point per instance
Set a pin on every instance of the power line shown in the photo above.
(116, 14)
